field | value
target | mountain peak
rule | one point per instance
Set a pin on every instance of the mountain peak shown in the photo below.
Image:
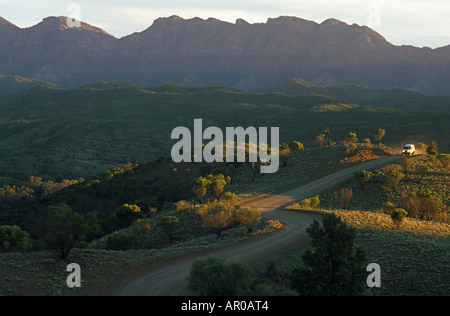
(63, 23)
(332, 22)
(5, 22)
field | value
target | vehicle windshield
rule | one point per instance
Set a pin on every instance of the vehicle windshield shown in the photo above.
(407, 147)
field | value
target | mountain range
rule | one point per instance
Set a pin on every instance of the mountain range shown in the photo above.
(197, 52)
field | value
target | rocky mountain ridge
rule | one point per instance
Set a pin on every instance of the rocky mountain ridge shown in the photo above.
(198, 52)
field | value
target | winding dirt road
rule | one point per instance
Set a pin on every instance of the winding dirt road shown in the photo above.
(168, 278)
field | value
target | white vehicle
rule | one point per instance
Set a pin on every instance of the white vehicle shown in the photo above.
(409, 150)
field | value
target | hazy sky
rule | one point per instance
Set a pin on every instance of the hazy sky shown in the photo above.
(401, 22)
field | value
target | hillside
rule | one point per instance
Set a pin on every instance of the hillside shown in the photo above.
(69, 133)
(196, 52)
(404, 255)
(15, 84)
(397, 98)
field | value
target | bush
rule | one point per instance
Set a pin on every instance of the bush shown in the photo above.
(334, 266)
(344, 196)
(216, 277)
(388, 207)
(248, 217)
(432, 148)
(351, 138)
(423, 204)
(363, 177)
(65, 229)
(398, 215)
(393, 177)
(128, 213)
(296, 146)
(378, 135)
(311, 202)
(13, 238)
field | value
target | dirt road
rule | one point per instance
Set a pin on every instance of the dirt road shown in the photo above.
(168, 278)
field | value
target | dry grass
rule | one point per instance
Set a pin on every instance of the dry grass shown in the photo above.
(413, 259)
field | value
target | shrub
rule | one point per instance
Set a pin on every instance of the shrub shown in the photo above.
(388, 207)
(394, 177)
(344, 196)
(378, 135)
(248, 217)
(65, 229)
(216, 217)
(228, 200)
(183, 205)
(351, 138)
(200, 187)
(334, 266)
(216, 277)
(363, 177)
(397, 216)
(168, 224)
(423, 204)
(432, 148)
(296, 146)
(13, 238)
(311, 202)
(218, 183)
(128, 213)
(320, 140)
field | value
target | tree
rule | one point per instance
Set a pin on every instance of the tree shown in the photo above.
(201, 187)
(432, 148)
(378, 135)
(228, 200)
(351, 138)
(350, 142)
(284, 152)
(216, 217)
(248, 217)
(388, 207)
(334, 266)
(13, 238)
(363, 177)
(214, 276)
(394, 177)
(423, 204)
(64, 229)
(397, 216)
(296, 146)
(218, 183)
(320, 140)
(128, 213)
(168, 224)
(344, 196)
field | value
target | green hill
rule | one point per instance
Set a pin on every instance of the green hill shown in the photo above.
(10, 84)
(68, 133)
(398, 98)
